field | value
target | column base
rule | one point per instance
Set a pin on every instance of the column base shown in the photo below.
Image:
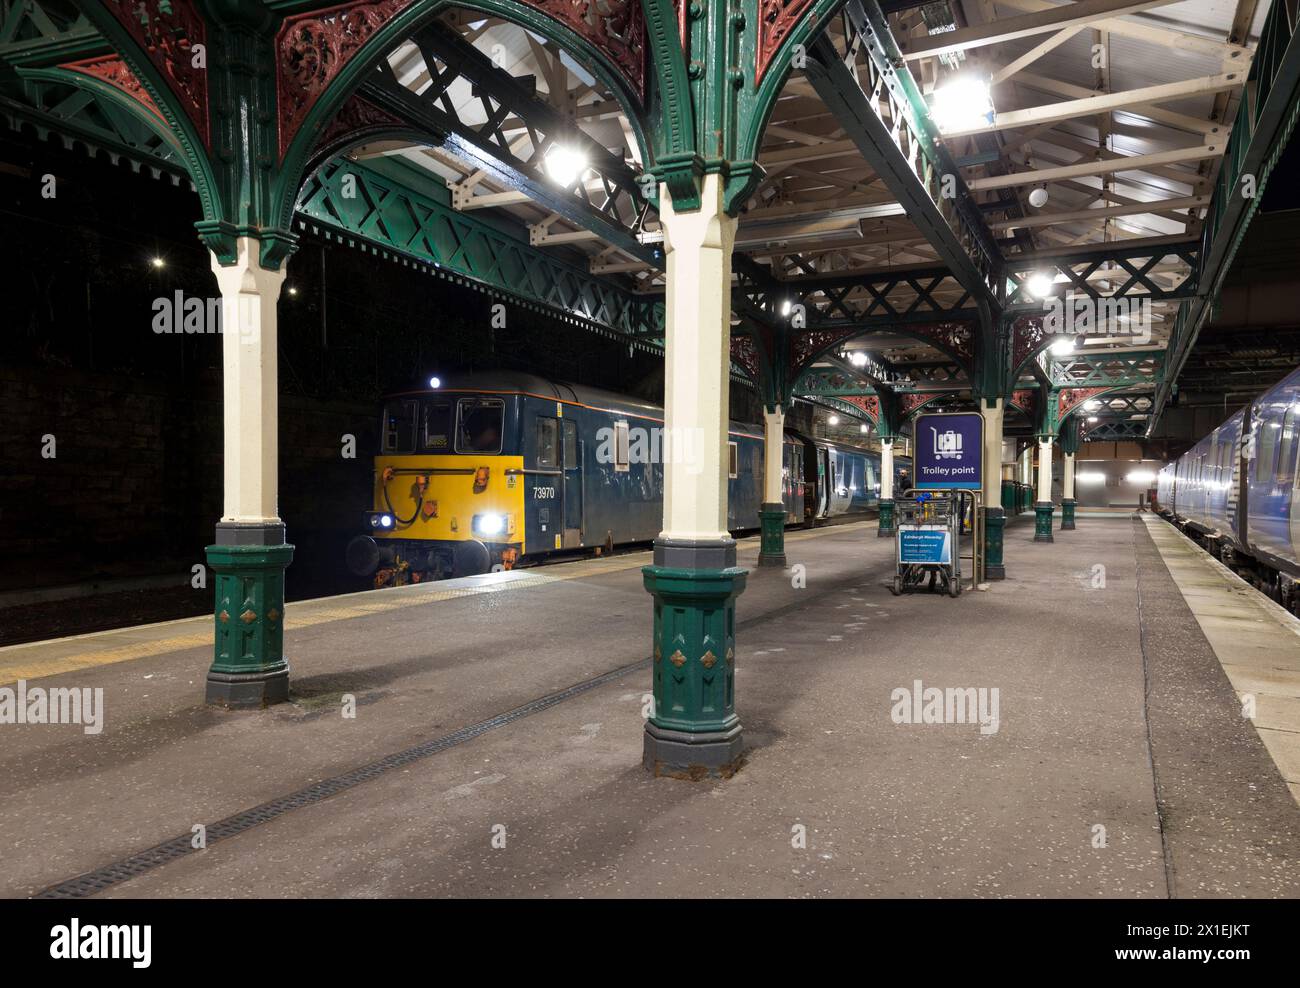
(995, 520)
(1043, 521)
(236, 691)
(771, 518)
(694, 732)
(693, 756)
(248, 668)
(1067, 514)
(887, 528)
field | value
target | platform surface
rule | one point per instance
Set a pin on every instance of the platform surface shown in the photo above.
(1121, 764)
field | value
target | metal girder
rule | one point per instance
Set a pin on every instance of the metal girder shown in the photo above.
(385, 216)
(50, 104)
(1114, 431)
(1157, 272)
(1138, 368)
(615, 212)
(889, 123)
(1265, 120)
(50, 32)
(849, 408)
(871, 298)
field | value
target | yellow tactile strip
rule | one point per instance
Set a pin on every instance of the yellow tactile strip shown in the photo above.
(1257, 642)
(36, 660)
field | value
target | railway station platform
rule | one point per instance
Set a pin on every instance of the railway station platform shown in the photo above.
(497, 740)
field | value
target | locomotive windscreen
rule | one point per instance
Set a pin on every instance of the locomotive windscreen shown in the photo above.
(479, 424)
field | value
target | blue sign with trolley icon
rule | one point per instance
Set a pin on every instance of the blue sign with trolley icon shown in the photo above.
(949, 450)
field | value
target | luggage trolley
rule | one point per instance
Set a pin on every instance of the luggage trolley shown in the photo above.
(928, 539)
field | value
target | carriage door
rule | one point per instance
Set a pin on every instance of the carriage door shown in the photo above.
(573, 492)
(825, 481)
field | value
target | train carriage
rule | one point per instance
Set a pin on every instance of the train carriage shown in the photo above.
(1238, 490)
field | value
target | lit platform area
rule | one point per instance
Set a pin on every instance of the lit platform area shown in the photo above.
(497, 740)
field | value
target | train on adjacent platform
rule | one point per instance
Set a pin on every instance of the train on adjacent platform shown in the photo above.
(1238, 492)
(508, 469)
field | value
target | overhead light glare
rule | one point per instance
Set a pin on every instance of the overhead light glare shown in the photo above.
(565, 165)
(963, 103)
(1039, 284)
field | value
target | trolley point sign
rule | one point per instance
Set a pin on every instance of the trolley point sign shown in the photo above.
(949, 450)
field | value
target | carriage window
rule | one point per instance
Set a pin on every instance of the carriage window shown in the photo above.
(478, 425)
(570, 445)
(437, 426)
(733, 460)
(1288, 444)
(1266, 449)
(548, 454)
(399, 426)
(622, 455)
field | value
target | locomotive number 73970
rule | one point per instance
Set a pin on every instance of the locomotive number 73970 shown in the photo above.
(543, 493)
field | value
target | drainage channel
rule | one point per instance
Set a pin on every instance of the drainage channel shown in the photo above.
(94, 882)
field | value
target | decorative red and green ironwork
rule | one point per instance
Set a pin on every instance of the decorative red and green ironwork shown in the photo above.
(113, 70)
(249, 668)
(693, 731)
(171, 33)
(312, 48)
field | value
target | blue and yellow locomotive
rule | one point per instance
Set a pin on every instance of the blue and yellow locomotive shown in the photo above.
(505, 469)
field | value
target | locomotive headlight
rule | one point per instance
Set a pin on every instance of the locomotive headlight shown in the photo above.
(385, 521)
(380, 520)
(489, 524)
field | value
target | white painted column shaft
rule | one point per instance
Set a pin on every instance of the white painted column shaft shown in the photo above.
(886, 469)
(1044, 492)
(697, 363)
(772, 450)
(992, 479)
(1067, 482)
(250, 402)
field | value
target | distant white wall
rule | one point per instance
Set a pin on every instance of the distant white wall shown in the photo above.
(1106, 483)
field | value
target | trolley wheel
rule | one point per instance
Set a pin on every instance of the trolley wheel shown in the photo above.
(897, 587)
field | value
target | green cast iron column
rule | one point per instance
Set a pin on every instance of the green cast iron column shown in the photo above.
(887, 529)
(1067, 514)
(772, 529)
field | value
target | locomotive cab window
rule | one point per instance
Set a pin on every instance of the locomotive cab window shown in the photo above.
(479, 424)
(547, 442)
(437, 426)
(733, 460)
(399, 426)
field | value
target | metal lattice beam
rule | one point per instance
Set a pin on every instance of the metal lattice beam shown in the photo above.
(887, 119)
(614, 210)
(359, 206)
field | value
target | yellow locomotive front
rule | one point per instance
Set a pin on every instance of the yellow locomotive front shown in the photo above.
(448, 489)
